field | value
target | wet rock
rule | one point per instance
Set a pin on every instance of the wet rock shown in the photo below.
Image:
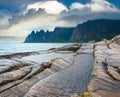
(66, 82)
(7, 65)
(46, 57)
(14, 75)
(73, 48)
(19, 72)
(63, 72)
(18, 55)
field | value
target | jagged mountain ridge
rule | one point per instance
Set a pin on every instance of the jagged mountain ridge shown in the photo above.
(90, 30)
(58, 35)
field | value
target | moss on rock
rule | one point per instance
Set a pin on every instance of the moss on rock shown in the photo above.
(85, 94)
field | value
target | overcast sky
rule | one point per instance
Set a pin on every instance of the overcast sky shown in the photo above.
(19, 17)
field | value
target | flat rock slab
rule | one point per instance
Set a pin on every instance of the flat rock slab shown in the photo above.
(66, 82)
(105, 77)
(19, 72)
(45, 57)
(62, 72)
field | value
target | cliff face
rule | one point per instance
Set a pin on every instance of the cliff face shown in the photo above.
(96, 30)
(90, 30)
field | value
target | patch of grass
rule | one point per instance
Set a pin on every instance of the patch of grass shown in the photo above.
(85, 94)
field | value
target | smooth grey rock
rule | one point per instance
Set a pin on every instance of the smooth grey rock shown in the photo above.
(66, 82)
(103, 80)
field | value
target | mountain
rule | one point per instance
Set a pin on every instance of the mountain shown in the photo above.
(58, 35)
(96, 30)
(90, 30)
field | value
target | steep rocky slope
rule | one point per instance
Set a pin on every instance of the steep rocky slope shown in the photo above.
(96, 30)
(58, 35)
(90, 30)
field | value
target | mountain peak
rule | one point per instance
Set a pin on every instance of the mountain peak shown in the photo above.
(90, 30)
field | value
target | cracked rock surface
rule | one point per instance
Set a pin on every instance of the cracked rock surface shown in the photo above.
(105, 77)
(91, 69)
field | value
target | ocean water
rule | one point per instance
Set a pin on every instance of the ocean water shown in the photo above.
(9, 48)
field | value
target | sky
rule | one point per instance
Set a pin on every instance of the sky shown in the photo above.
(19, 17)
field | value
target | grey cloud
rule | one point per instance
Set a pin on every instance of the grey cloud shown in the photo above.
(79, 13)
(75, 16)
(13, 7)
(10, 20)
(32, 13)
(71, 17)
(17, 5)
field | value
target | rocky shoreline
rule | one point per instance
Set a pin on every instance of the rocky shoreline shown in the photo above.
(79, 70)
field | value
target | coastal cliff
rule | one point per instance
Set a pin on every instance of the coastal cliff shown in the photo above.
(58, 35)
(90, 30)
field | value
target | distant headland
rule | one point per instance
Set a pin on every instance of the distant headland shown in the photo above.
(90, 30)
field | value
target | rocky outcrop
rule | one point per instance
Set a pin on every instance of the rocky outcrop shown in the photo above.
(105, 77)
(79, 70)
(94, 30)
(19, 74)
(116, 40)
(71, 80)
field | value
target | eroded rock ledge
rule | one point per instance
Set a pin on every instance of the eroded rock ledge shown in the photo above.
(105, 80)
(19, 72)
(63, 72)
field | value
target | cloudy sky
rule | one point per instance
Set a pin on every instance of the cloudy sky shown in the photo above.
(19, 17)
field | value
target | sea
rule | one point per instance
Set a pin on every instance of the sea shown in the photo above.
(9, 48)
